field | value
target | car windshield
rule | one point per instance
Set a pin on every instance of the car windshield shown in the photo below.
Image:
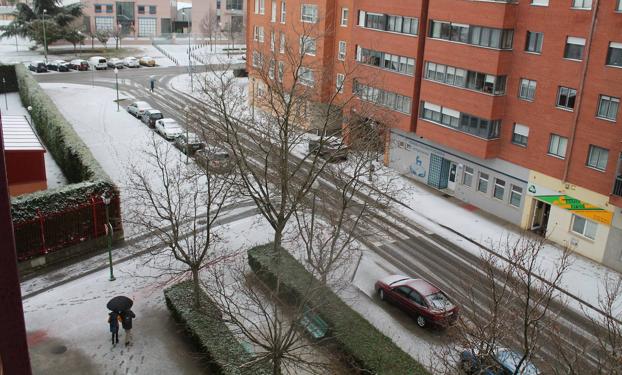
(156, 116)
(439, 301)
(510, 359)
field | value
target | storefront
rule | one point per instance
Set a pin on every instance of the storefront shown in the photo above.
(494, 185)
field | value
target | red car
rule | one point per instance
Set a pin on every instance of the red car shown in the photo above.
(422, 300)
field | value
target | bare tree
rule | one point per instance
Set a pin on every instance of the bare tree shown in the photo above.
(512, 301)
(117, 34)
(609, 341)
(103, 37)
(180, 204)
(209, 26)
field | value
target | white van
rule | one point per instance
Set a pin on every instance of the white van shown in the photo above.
(97, 63)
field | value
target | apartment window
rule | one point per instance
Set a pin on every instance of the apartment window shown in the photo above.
(98, 8)
(344, 16)
(388, 22)
(557, 145)
(258, 35)
(597, 157)
(475, 35)
(341, 55)
(534, 41)
(566, 97)
(308, 13)
(608, 107)
(109, 8)
(401, 64)
(520, 135)
(260, 6)
(527, 89)
(272, 41)
(383, 98)
(152, 9)
(453, 76)
(283, 11)
(499, 189)
(467, 176)
(282, 43)
(482, 182)
(234, 4)
(582, 4)
(574, 48)
(308, 45)
(463, 122)
(544, 3)
(271, 69)
(339, 82)
(619, 7)
(516, 195)
(273, 11)
(584, 227)
(141, 9)
(257, 59)
(281, 69)
(305, 75)
(614, 54)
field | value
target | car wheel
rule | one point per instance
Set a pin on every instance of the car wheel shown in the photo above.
(421, 321)
(381, 294)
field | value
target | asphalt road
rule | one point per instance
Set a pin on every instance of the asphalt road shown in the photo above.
(399, 241)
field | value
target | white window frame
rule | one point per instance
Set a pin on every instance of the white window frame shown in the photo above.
(527, 84)
(345, 14)
(342, 50)
(283, 11)
(468, 171)
(339, 83)
(556, 140)
(303, 71)
(273, 11)
(514, 192)
(272, 41)
(280, 71)
(258, 34)
(314, 15)
(523, 132)
(282, 42)
(598, 165)
(582, 4)
(589, 230)
(499, 186)
(619, 6)
(479, 182)
(308, 45)
(541, 3)
(610, 100)
(262, 7)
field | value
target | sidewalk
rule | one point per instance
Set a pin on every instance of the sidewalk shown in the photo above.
(468, 227)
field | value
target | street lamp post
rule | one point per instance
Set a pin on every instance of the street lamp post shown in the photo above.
(119, 33)
(189, 58)
(6, 102)
(186, 112)
(106, 198)
(116, 78)
(253, 98)
(315, 186)
(80, 33)
(45, 40)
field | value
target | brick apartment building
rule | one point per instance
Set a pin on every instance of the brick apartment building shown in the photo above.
(135, 18)
(511, 106)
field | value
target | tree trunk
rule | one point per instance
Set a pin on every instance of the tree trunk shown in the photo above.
(276, 365)
(196, 286)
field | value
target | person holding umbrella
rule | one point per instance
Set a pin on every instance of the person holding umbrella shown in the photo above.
(121, 306)
(126, 322)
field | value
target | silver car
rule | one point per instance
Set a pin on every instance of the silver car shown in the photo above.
(168, 128)
(137, 109)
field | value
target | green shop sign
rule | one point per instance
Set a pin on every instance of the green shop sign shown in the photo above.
(578, 207)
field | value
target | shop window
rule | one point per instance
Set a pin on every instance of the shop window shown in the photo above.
(584, 227)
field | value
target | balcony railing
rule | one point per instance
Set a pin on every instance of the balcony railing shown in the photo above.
(617, 187)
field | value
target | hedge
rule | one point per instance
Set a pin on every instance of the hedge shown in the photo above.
(7, 72)
(351, 333)
(86, 176)
(208, 331)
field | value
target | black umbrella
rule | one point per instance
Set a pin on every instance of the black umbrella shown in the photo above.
(120, 303)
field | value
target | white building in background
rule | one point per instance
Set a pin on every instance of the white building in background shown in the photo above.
(218, 15)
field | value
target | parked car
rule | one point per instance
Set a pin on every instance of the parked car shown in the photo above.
(38, 66)
(500, 361)
(150, 116)
(137, 109)
(98, 62)
(332, 148)
(58, 65)
(131, 62)
(188, 143)
(168, 128)
(213, 159)
(78, 64)
(147, 61)
(115, 63)
(422, 300)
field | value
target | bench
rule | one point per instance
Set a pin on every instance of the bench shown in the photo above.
(313, 323)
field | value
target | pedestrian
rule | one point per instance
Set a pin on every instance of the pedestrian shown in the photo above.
(114, 327)
(152, 83)
(126, 322)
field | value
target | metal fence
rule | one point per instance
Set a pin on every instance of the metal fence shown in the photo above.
(53, 231)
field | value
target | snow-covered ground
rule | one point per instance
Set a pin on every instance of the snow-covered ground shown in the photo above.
(53, 174)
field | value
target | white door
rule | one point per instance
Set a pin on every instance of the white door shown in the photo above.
(451, 180)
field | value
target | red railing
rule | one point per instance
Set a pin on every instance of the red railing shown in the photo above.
(53, 231)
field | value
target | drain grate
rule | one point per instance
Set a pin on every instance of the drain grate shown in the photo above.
(59, 349)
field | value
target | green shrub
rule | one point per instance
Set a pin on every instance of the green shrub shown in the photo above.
(358, 339)
(206, 328)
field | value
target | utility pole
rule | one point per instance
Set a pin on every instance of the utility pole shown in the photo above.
(45, 39)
